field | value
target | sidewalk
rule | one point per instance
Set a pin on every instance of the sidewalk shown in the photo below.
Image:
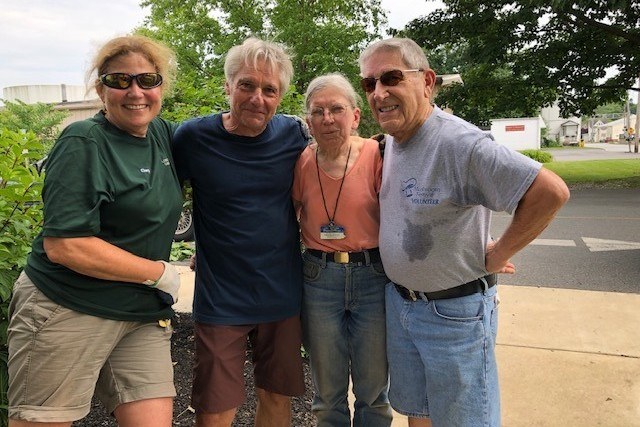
(621, 148)
(566, 357)
(595, 151)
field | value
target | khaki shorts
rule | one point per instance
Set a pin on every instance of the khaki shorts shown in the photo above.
(220, 357)
(57, 357)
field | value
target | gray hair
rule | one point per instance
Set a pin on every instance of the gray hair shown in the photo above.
(410, 52)
(333, 80)
(251, 52)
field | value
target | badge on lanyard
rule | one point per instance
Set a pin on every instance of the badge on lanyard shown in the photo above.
(332, 231)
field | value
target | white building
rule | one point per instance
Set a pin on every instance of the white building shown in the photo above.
(566, 130)
(80, 103)
(519, 133)
(48, 94)
(613, 131)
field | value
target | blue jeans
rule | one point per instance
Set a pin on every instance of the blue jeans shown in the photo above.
(441, 359)
(343, 324)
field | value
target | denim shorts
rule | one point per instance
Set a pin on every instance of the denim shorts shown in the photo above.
(442, 362)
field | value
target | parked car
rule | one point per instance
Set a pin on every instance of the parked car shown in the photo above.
(184, 230)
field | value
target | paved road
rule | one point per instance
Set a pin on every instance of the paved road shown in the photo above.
(599, 151)
(593, 244)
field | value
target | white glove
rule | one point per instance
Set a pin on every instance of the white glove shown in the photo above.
(168, 284)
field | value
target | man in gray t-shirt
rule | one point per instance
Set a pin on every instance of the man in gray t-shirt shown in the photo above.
(442, 178)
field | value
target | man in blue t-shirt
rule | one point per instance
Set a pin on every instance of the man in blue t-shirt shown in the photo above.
(441, 179)
(248, 266)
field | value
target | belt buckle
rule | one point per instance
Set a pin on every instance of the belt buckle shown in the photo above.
(341, 257)
(412, 295)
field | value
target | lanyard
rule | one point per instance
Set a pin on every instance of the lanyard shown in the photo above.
(324, 202)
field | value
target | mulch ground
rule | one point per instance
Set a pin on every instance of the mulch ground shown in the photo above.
(182, 350)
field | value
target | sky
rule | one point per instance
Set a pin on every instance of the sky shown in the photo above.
(52, 41)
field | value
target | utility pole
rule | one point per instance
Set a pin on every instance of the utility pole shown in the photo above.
(627, 122)
(637, 131)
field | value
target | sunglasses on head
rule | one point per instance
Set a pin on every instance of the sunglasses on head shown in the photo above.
(124, 80)
(389, 78)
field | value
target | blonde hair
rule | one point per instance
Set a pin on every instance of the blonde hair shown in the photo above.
(159, 55)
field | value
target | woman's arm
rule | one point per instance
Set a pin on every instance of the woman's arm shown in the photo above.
(95, 257)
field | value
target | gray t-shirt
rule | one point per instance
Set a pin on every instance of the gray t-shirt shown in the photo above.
(438, 191)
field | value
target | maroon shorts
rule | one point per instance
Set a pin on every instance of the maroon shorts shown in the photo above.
(218, 383)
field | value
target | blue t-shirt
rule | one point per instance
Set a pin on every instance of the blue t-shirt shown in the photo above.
(248, 260)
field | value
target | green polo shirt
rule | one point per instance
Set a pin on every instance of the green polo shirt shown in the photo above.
(100, 181)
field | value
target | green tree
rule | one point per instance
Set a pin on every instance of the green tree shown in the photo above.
(193, 97)
(611, 108)
(569, 47)
(41, 119)
(488, 91)
(614, 110)
(322, 35)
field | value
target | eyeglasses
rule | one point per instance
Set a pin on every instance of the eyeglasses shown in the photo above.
(337, 110)
(124, 80)
(390, 78)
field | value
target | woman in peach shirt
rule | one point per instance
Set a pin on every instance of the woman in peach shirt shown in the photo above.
(336, 185)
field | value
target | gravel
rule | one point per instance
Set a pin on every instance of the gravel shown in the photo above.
(182, 350)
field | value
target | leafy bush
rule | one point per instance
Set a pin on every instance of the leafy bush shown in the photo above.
(26, 134)
(549, 143)
(20, 220)
(181, 251)
(41, 119)
(538, 155)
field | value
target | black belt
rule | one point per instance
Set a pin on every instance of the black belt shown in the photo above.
(464, 290)
(347, 257)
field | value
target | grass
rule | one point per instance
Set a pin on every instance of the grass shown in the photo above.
(616, 173)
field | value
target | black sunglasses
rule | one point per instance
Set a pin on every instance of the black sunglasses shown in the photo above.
(390, 78)
(124, 80)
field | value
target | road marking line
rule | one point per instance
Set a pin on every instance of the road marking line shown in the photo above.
(600, 245)
(599, 218)
(553, 242)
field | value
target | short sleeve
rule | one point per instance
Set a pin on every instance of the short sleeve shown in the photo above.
(76, 184)
(296, 190)
(377, 169)
(180, 150)
(498, 176)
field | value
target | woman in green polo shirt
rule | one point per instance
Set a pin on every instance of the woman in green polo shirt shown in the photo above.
(89, 311)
